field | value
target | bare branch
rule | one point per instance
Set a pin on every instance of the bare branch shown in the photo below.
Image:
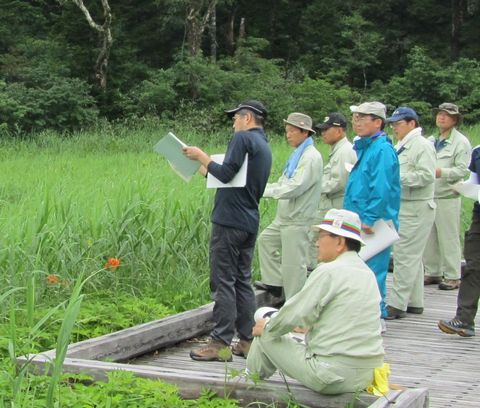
(89, 18)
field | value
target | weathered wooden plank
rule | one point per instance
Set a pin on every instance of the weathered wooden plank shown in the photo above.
(409, 398)
(190, 384)
(144, 338)
(419, 354)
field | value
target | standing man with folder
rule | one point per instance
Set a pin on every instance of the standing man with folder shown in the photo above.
(235, 221)
(373, 188)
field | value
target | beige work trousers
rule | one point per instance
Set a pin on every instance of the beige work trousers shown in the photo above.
(443, 253)
(283, 254)
(324, 375)
(416, 220)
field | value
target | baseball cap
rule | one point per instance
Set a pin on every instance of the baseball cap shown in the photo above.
(401, 113)
(252, 105)
(371, 108)
(334, 119)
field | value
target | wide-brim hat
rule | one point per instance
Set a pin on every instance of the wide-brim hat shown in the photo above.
(300, 120)
(371, 108)
(251, 105)
(450, 108)
(343, 223)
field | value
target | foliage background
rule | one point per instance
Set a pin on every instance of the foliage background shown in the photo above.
(79, 182)
(314, 56)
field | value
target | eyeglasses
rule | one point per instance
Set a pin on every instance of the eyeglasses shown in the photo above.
(359, 117)
(396, 124)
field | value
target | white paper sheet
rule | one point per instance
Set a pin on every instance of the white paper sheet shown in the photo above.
(383, 236)
(469, 188)
(171, 147)
(240, 179)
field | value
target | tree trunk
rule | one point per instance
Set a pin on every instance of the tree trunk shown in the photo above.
(106, 40)
(212, 30)
(196, 23)
(457, 22)
(241, 31)
(231, 34)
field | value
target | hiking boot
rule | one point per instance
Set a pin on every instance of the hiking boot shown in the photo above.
(414, 310)
(273, 290)
(394, 313)
(456, 326)
(214, 350)
(449, 284)
(241, 348)
(431, 280)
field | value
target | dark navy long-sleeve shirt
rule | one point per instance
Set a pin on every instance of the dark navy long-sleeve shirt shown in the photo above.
(475, 168)
(237, 207)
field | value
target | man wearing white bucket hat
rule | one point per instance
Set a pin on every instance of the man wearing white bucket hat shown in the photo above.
(337, 307)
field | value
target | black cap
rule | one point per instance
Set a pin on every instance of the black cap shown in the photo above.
(334, 119)
(252, 105)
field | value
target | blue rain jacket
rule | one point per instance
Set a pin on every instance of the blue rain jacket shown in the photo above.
(373, 188)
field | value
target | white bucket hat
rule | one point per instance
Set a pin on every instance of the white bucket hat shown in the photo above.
(342, 222)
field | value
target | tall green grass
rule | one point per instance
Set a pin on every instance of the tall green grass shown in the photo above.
(68, 203)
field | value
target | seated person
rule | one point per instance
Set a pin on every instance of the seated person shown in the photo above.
(338, 307)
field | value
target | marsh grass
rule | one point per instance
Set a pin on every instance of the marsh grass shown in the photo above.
(69, 203)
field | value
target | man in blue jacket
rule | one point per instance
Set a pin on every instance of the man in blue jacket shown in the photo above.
(373, 188)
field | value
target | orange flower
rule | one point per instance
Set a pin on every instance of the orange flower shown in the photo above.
(112, 263)
(53, 279)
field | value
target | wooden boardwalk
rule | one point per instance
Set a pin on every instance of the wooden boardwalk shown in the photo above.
(419, 354)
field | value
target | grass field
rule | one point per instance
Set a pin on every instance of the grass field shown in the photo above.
(69, 204)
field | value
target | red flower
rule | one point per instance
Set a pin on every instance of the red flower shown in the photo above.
(53, 279)
(112, 263)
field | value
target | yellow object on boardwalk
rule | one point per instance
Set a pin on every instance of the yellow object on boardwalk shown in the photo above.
(379, 385)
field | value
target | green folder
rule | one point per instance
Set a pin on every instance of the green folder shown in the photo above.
(170, 147)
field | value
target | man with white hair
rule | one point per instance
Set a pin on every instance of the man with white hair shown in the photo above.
(338, 310)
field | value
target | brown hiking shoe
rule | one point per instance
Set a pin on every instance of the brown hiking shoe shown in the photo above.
(431, 280)
(241, 348)
(214, 350)
(449, 284)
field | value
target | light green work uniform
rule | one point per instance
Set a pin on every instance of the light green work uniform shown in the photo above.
(335, 177)
(443, 253)
(339, 307)
(283, 246)
(417, 213)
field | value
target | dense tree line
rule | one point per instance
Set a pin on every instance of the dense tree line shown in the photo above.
(66, 63)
